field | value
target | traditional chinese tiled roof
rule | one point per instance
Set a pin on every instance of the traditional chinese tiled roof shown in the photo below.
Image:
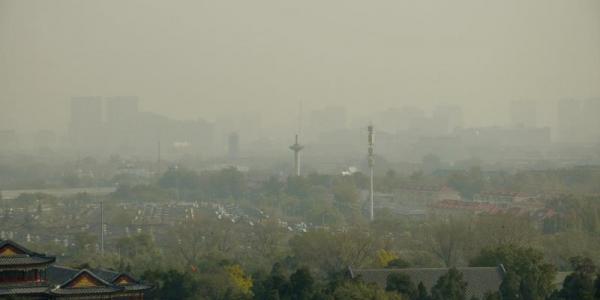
(106, 281)
(13, 255)
(479, 280)
(85, 282)
(22, 290)
(61, 280)
(85, 291)
(121, 279)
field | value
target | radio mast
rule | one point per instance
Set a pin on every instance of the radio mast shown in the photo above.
(371, 163)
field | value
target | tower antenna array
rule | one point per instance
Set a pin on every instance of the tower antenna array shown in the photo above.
(371, 160)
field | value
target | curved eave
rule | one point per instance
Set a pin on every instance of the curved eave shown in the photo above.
(137, 287)
(86, 291)
(25, 262)
(22, 291)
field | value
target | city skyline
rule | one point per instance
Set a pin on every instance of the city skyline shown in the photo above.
(192, 61)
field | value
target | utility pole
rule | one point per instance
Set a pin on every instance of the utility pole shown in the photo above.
(101, 227)
(371, 163)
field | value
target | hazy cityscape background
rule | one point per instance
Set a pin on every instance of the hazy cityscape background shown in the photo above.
(243, 67)
(272, 149)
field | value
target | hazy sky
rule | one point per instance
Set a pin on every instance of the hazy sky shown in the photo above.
(199, 58)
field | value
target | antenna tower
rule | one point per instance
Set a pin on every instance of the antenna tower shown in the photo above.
(296, 147)
(371, 163)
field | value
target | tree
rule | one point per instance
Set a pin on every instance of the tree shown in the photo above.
(272, 186)
(214, 281)
(527, 276)
(390, 181)
(225, 183)
(239, 279)
(301, 284)
(492, 296)
(298, 186)
(179, 178)
(334, 251)
(597, 287)
(447, 239)
(171, 284)
(398, 263)
(358, 290)
(450, 286)
(205, 236)
(422, 293)
(579, 285)
(273, 286)
(467, 183)
(138, 251)
(266, 242)
(502, 229)
(402, 284)
(345, 195)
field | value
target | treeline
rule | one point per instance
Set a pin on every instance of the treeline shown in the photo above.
(527, 277)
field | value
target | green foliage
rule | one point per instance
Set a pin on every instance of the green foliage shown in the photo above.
(581, 213)
(171, 285)
(384, 257)
(580, 284)
(450, 286)
(302, 284)
(222, 184)
(299, 286)
(422, 293)
(492, 296)
(141, 193)
(467, 183)
(357, 290)
(448, 239)
(225, 183)
(527, 276)
(138, 252)
(213, 281)
(272, 186)
(298, 186)
(239, 279)
(398, 263)
(402, 284)
(346, 197)
(334, 251)
(179, 178)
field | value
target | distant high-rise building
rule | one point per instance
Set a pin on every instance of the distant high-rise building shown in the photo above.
(570, 121)
(591, 117)
(8, 140)
(415, 119)
(121, 110)
(233, 146)
(45, 140)
(86, 127)
(122, 116)
(448, 118)
(523, 114)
